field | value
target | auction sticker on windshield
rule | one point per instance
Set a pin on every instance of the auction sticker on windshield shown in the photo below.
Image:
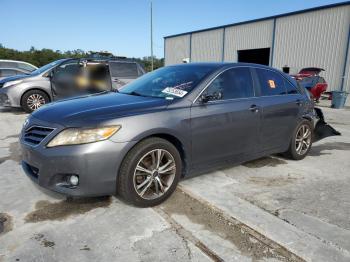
(174, 92)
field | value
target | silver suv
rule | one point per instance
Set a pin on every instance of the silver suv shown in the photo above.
(17, 65)
(7, 72)
(66, 78)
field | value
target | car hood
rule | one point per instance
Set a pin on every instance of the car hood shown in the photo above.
(96, 109)
(12, 78)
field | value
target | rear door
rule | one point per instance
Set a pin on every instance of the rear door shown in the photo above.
(123, 73)
(281, 105)
(225, 127)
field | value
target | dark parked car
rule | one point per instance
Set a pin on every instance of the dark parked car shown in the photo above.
(66, 78)
(173, 122)
(310, 79)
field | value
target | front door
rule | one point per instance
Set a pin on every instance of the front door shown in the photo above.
(226, 126)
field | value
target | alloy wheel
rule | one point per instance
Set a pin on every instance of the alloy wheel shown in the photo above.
(154, 174)
(303, 139)
(35, 101)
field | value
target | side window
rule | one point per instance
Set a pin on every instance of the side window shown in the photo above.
(271, 83)
(120, 69)
(231, 84)
(25, 67)
(290, 88)
(67, 70)
(7, 72)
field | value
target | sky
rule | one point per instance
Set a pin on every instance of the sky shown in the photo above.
(123, 26)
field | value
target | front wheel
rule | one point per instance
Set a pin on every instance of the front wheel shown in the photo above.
(301, 142)
(150, 172)
(34, 99)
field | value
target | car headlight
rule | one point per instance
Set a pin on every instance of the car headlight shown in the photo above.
(11, 83)
(76, 136)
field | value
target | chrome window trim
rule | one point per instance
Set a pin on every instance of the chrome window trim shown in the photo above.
(229, 100)
(255, 67)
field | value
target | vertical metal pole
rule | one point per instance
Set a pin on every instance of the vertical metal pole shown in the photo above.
(223, 45)
(190, 47)
(272, 53)
(342, 87)
(151, 38)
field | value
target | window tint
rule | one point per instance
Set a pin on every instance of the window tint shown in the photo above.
(123, 69)
(290, 88)
(233, 83)
(271, 83)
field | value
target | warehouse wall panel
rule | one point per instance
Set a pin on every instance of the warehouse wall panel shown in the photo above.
(176, 49)
(207, 46)
(314, 39)
(247, 36)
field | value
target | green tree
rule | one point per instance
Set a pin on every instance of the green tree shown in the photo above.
(44, 56)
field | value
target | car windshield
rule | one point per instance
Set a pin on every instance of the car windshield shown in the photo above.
(168, 82)
(46, 67)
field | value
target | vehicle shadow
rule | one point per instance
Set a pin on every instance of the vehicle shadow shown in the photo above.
(317, 150)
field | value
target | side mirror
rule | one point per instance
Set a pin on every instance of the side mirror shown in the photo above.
(49, 74)
(205, 98)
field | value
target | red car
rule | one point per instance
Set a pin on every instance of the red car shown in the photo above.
(310, 79)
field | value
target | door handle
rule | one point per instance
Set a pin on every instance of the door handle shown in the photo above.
(298, 102)
(254, 108)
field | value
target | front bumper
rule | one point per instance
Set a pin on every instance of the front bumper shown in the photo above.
(96, 164)
(4, 99)
(11, 96)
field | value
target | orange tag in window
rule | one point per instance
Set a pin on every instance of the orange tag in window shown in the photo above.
(272, 84)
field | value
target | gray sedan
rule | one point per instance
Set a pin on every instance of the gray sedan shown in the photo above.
(174, 122)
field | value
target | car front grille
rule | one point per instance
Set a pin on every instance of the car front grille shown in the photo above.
(35, 134)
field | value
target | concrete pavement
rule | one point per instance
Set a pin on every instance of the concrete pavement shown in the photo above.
(271, 209)
(301, 205)
(38, 225)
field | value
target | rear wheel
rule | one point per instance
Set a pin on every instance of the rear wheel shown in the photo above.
(34, 99)
(150, 172)
(301, 142)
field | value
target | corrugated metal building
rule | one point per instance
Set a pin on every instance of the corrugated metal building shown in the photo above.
(317, 37)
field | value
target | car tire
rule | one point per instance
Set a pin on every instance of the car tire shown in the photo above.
(301, 141)
(133, 179)
(34, 99)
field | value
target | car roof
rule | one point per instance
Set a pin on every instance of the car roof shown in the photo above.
(224, 64)
(17, 61)
(107, 59)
